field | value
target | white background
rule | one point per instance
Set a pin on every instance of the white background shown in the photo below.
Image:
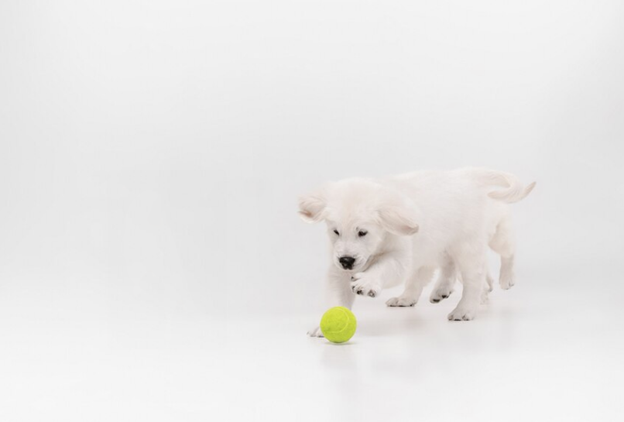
(152, 264)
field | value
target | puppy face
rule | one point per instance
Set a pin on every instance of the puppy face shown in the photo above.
(353, 242)
(360, 216)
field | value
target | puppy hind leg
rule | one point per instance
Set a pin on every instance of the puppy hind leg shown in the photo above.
(445, 283)
(503, 243)
(471, 266)
(490, 281)
(414, 286)
(487, 288)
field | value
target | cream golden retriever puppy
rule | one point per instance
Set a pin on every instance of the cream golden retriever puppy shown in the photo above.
(402, 228)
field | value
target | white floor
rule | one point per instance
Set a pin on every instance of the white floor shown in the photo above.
(530, 355)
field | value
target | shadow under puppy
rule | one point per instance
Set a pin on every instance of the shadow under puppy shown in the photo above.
(400, 229)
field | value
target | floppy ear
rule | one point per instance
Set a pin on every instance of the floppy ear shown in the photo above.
(397, 216)
(312, 207)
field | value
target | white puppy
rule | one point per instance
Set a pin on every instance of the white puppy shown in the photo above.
(402, 228)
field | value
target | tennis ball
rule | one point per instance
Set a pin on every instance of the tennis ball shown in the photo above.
(338, 324)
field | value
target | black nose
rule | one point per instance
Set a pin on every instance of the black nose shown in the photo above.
(346, 262)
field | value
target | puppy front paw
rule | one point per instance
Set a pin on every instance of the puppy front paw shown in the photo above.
(463, 313)
(485, 296)
(365, 285)
(401, 302)
(440, 293)
(507, 280)
(315, 332)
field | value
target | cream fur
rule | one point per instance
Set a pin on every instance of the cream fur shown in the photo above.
(400, 229)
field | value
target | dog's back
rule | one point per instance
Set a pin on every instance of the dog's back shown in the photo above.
(459, 204)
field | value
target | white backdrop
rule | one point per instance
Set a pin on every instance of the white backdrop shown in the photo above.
(151, 152)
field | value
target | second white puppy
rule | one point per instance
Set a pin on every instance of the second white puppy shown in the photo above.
(402, 228)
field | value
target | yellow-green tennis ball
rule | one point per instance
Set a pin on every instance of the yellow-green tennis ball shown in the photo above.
(338, 324)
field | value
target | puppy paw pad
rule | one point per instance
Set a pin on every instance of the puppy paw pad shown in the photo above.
(401, 302)
(460, 314)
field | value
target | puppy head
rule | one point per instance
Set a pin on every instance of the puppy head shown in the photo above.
(360, 215)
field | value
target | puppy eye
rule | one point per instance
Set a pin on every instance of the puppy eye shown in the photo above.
(362, 233)
(336, 231)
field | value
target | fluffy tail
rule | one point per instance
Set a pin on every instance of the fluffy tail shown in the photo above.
(515, 190)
